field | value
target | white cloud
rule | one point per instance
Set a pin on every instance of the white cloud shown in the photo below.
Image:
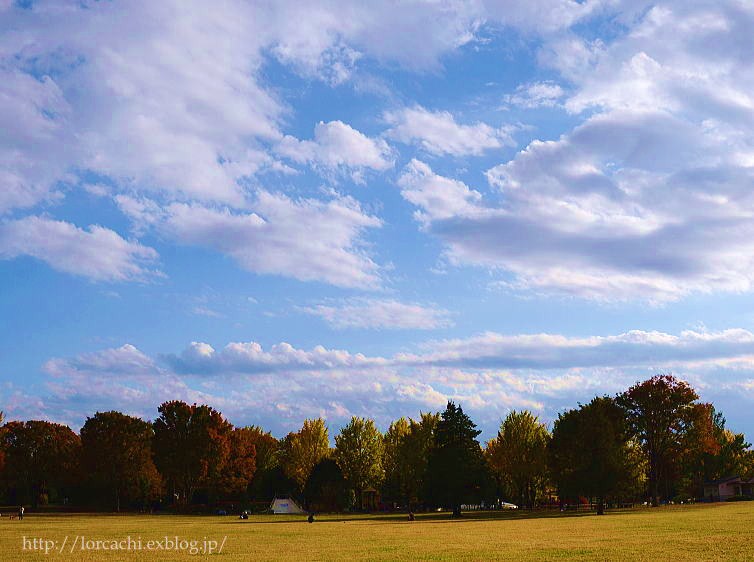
(537, 94)
(632, 204)
(336, 145)
(380, 314)
(438, 197)
(552, 351)
(160, 97)
(438, 133)
(250, 357)
(98, 253)
(33, 121)
(308, 240)
(489, 374)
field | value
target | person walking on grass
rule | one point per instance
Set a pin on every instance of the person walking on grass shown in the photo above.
(21, 513)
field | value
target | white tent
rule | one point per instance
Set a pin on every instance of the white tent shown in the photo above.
(285, 505)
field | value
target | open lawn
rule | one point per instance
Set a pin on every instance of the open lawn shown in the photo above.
(700, 532)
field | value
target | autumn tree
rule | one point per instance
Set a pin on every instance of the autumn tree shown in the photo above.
(517, 457)
(191, 446)
(237, 472)
(117, 457)
(659, 412)
(591, 453)
(456, 470)
(358, 452)
(711, 451)
(41, 458)
(301, 451)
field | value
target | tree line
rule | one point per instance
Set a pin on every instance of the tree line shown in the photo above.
(654, 442)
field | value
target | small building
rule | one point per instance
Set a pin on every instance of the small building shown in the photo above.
(724, 488)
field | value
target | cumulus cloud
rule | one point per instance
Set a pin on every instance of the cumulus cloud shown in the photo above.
(309, 240)
(113, 88)
(98, 253)
(380, 314)
(438, 133)
(306, 239)
(336, 145)
(489, 374)
(649, 196)
(438, 197)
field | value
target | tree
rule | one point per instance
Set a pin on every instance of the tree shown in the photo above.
(413, 457)
(358, 452)
(191, 445)
(117, 456)
(237, 472)
(518, 456)
(267, 459)
(392, 488)
(301, 451)
(327, 489)
(591, 453)
(2, 451)
(456, 470)
(712, 451)
(659, 413)
(41, 458)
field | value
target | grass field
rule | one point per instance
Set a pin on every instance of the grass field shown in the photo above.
(700, 532)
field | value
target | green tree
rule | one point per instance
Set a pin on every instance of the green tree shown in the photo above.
(41, 458)
(659, 413)
(591, 453)
(117, 457)
(517, 457)
(456, 470)
(392, 487)
(358, 452)
(267, 460)
(191, 446)
(413, 458)
(301, 451)
(327, 489)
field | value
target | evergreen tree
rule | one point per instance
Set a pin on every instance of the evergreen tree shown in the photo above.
(456, 469)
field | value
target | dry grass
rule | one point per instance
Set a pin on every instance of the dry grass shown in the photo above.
(701, 532)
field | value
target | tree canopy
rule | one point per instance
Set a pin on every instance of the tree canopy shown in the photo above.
(456, 470)
(591, 453)
(659, 413)
(518, 456)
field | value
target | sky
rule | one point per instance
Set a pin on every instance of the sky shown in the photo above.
(296, 209)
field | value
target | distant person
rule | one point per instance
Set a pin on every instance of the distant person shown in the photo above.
(20, 513)
(411, 516)
(311, 517)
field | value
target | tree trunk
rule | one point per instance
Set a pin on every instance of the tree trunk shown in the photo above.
(655, 492)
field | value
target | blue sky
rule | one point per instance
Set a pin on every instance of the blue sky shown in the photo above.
(293, 210)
